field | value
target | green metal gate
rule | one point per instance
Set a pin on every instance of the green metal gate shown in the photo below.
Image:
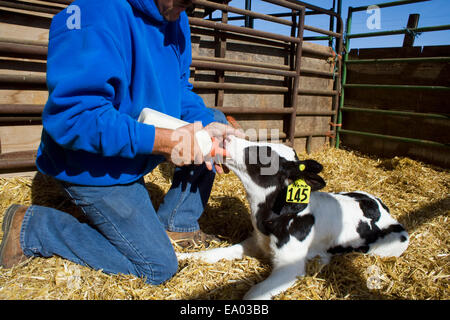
(341, 130)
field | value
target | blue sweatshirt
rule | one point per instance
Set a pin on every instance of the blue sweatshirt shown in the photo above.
(125, 57)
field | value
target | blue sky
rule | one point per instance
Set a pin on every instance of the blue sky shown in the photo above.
(432, 13)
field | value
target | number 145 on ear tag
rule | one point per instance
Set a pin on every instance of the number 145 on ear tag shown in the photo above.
(298, 192)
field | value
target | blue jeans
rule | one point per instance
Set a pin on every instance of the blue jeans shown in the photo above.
(124, 234)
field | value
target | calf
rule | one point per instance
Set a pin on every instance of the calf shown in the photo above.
(293, 223)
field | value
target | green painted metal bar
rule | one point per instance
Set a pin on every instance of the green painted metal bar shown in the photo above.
(395, 138)
(401, 87)
(400, 60)
(399, 113)
(389, 4)
(348, 29)
(401, 31)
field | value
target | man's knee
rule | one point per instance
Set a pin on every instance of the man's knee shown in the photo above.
(157, 273)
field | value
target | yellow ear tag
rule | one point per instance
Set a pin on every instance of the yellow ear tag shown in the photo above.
(298, 192)
(302, 167)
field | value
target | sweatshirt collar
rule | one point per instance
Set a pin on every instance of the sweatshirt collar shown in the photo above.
(149, 9)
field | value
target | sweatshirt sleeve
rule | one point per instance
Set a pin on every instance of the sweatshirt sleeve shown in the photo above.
(86, 78)
(192, 106)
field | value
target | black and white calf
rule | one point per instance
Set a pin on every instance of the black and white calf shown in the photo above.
(290, 233)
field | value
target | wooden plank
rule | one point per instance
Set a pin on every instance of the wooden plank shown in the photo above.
(423, 73)
(23, 96)
(20, 138)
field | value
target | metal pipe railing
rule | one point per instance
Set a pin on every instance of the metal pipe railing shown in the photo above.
(399, 87)
(395, 138)
(25, 80)
(388, 4)
(295, 84)
(282, 135)
(255, 68)
(259, 88)
(319, 30)
(241, 30)
(259, 40)
(278, 15)
(21, 50)
(239, 37)
(295, 3)
(17, 161)
(348, 28)
(316, 133)
(401, 31)
(31, 109)
(313, 92)
(30, 7)
(242, 62)
(67, 2)
(252, 111)
(400, 60)
(399, 113)
(288, 110)
(20, 120)
(225, 7)
(239, 87)
(240, 68)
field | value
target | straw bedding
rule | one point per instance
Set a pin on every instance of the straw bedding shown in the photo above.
(417, 194)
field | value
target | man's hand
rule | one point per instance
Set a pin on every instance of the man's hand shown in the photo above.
(179, 146)
(220, 132)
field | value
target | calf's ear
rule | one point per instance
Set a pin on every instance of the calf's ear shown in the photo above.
(310, 166)
(307, 170)
(313, 180)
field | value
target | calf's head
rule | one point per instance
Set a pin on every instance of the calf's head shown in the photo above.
(270, 165)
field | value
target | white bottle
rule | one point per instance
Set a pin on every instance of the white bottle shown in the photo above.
(161, 120)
